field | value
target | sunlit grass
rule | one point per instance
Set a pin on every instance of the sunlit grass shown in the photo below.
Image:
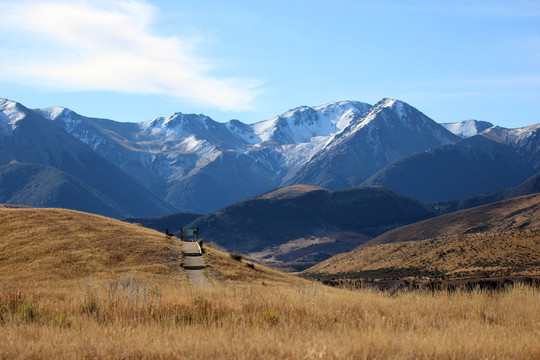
(78, 286)
(126, 318)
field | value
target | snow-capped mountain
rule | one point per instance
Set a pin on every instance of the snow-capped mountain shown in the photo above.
(525, 140)
(390, 130)
(200, 165)
(303, 124)
(467, 128)
(29, 138)
(10, 113)
(184, 157)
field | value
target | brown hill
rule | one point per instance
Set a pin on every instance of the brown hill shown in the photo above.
(58, 244)
(499, 239)
(58, 247)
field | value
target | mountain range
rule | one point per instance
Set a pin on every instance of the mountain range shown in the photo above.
(192, 163)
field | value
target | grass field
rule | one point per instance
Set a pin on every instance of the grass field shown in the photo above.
(126, 318)
(122, 295)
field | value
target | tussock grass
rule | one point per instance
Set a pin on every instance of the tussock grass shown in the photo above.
(228, 268)
(500, 239)
(121, 298)
(512, 253)
(133, 319)
(55, 245)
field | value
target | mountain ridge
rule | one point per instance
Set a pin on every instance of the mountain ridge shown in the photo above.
(390, 130)
(199, 165)
(35, 140)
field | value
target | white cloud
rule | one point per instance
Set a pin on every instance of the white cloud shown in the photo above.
(108, 45)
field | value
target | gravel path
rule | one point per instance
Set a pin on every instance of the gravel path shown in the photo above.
(194, 264)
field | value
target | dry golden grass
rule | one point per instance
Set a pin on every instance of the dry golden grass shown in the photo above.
(126, 318)
(501, 239)
(53, 308)
(52, 246)
(222, 268)
(484, 254)
(56, 244)
(517, 213)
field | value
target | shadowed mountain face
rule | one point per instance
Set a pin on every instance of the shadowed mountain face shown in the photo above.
(530, 186)
(353, 216)
(471, 166)
(45, 186)
(31, 139)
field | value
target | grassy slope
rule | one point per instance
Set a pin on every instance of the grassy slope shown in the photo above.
(58, 246)
(496, 239)
(289, 192)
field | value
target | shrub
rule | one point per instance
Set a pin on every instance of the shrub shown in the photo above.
(62, 319)
(271, 317)
(237, 257)
(27, 311)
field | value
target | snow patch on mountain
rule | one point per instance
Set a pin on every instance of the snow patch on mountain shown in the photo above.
(243, 131)
(10, 113)
(467, 128)
(302, 124)
(52, 113)
(511, 136)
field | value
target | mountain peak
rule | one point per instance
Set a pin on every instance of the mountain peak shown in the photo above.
(302, 124)
(467, 128)
(10, 113)
(52, 113)
(511, 136)
(391, 111)
(387, 102)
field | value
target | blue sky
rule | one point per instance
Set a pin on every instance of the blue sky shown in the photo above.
(252, 60)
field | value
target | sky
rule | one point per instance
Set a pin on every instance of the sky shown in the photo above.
(252, 60)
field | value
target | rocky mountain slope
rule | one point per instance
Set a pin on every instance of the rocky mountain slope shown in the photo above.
(389, 131)
(201, 165)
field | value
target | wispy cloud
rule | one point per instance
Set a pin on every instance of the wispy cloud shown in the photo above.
(109, 45)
